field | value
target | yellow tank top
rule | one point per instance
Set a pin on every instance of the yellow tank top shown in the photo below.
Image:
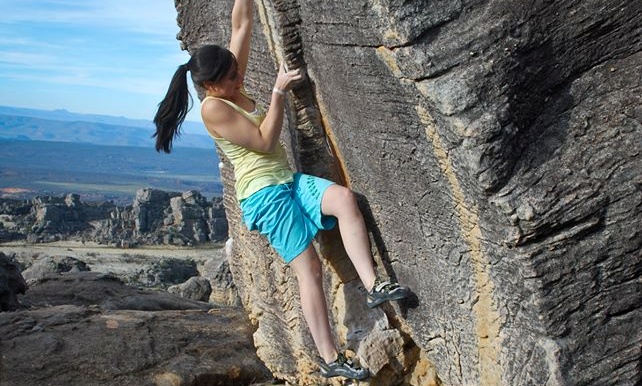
(253, 170)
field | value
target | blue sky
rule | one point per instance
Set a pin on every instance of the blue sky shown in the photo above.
(112, 57)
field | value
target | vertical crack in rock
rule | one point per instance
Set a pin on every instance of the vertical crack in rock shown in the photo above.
(316, 152)
(487, 323)
(332, 145)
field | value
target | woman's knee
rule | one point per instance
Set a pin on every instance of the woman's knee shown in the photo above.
(341, 200)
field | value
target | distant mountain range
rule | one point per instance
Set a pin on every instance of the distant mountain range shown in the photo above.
(100, 172)
(63, 126)
(100, 157)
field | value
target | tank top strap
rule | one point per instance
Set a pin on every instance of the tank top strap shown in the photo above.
(229, 103)
(252, 116)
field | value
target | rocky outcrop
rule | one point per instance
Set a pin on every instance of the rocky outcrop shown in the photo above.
(10, 210)
(221, 282)
(195, 288)
(155, 217)
(87, 328)
(169, 271)
(54, 217)
(497, 150)
(49, 265)
(158, 217)
(11, 283)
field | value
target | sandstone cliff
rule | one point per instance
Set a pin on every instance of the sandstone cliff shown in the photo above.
(497, 148)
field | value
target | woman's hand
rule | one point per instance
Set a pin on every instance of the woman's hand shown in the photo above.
(285, 80)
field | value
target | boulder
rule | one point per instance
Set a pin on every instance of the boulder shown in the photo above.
(223, 289)
(495, 148)
(11, 283)
(48, 265)
(169, 271)
(195, 288)
(87, 328)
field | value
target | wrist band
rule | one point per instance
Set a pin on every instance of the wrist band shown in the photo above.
(278, 91)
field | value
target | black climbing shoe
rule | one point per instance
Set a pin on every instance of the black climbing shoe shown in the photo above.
(343, 367)
(383, 291)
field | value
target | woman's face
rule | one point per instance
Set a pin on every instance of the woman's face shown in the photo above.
(229, 85)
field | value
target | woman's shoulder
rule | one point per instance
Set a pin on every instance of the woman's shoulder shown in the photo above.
(213, 106)
(216, 113)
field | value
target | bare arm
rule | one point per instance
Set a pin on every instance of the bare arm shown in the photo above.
(242, 17)
(223, 121)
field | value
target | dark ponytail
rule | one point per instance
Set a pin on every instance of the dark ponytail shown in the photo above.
(172, 110)
(209, 63)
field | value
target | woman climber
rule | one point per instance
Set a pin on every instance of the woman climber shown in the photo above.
(287, 207)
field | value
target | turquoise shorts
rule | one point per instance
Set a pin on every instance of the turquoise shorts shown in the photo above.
(289, 215)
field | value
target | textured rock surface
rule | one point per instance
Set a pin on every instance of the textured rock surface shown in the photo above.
(155, 217)
(89, 329)
(11, 283)
(222, 283)
(52, 217)
(169, 271)
(196, 288)
(49, 265)
(497, 147)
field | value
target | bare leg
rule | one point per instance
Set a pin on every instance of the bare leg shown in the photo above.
(340, 202)
(307, 268)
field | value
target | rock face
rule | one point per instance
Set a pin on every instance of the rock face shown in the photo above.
(54, 217)
(84, 328)
(497, 148)
(155, 217)
(158, 217)
(11, 283)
